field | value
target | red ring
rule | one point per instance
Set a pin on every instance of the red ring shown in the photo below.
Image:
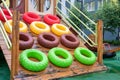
(51, 19)
(48, 40)
(70, 41)
(29, 17)
(5, 11)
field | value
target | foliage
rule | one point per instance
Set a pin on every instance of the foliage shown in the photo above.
(77, 13)
(110, 14)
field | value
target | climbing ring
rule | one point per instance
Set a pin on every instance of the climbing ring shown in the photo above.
(51, 19)
(69, 40)
(84, 56)
(33, 65)
(22, 26)
(48, 40)
(60, 57)
(39, 27)
(7, 15)
(59, 29)
(30, 17)
(25, 41)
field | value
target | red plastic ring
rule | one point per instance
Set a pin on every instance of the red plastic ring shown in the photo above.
(5, 11)
(51, 19)
(29, 17)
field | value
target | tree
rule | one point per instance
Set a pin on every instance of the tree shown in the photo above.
(110, 14)
(77, 13)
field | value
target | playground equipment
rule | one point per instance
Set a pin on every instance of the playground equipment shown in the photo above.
(51, 72)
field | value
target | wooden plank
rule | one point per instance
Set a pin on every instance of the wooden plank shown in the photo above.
(40, 5)
(26, 5)
(114, 50)
(100, 41)
(15, 43)
(54, 7)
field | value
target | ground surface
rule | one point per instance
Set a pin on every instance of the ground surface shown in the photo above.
(113, 72)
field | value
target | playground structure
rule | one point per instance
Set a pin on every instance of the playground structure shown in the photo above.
(52, 72)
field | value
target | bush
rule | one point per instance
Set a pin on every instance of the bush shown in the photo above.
(110, 14)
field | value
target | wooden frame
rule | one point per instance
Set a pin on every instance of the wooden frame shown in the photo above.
(71, 71)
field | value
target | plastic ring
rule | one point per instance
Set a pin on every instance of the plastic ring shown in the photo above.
(55, 54)
(22, 25)
(48, 40)
(70, 41)
(85, 56)
(7, 15)
(32, 65)
(29, 17)
(51, 19)
(26, 41)
(39, 27)
(59, 29)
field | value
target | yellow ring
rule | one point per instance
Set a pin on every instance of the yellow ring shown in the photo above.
(59, 29)
(22, 25)
(38, 27)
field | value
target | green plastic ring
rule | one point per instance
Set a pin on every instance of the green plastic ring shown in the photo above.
(84, 56)
(65, 60)
(32, 65)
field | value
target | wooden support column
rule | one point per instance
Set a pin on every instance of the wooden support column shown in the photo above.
(54, 6)
(26, 5)
(100, 41)
(15, 42)
(40, 5)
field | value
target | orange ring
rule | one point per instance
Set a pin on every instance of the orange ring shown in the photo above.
(59, 29)
(22, 25)
(38, 27)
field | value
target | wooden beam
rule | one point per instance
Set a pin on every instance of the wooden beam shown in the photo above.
(40, 5)
(26, 5)
(15, 41)
(54, 7)
(100, 41)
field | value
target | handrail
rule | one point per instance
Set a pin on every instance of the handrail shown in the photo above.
(8, 43)
(2, 27)
(78, 18)
(79, 30)
(6, 19)
(76, 28)
(7, 8)
(5, 36)
(81, 12)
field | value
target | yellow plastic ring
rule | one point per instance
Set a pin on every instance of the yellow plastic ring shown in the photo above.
(38, 27)
(59, 29)
(23, 27)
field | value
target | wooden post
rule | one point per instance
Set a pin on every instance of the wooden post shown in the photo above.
(100, 41)
(26, 5)
(15, 42)
(40, 5)
(54, 6)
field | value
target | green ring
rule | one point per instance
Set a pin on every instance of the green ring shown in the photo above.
(84, 56)
(63, 62)
(32, 65)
